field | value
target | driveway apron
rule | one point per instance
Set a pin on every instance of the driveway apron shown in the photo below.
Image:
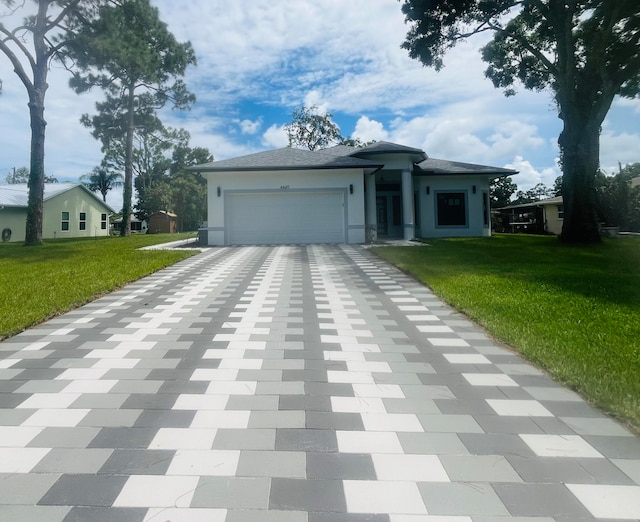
(295, 384)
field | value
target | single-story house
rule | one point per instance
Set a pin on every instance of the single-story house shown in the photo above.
(540, 217)
(344, 195)
(70, 210)
(162, 222)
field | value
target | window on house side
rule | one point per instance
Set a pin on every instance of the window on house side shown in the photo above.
(103, 221)
(560, 211)
(82, 223)
(64, 225)
(452, 209)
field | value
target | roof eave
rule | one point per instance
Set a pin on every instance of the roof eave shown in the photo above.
(205, 170)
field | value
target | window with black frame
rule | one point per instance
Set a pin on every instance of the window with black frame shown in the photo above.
(451, 209)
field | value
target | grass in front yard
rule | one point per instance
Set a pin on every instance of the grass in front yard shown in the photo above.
(572, 310)
(39, 282)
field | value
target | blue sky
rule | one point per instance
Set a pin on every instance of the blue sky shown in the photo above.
(259, 60)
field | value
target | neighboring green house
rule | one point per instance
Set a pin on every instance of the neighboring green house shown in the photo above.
(70, 210)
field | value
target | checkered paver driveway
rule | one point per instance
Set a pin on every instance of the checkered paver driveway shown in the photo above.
(291, 384)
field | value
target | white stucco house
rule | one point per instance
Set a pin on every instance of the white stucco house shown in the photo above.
(344, 195)
(69, 210)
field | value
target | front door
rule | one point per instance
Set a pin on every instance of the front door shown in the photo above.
(381, 213)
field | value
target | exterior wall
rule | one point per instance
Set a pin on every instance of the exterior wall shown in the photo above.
(475, 207)
(552, 221)
(338, 179)
(15, 219)
(398, 162)
(73, 201)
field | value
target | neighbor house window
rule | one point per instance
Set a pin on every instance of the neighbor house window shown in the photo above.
(103, 221)
(82, 223)
(64, 225)
(451, 209)
(136, 226)
(560, 211)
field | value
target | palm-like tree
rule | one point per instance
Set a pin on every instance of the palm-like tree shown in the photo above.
(102, 180)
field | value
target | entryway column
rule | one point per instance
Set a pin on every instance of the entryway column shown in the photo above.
(371, 219)
(408, 213)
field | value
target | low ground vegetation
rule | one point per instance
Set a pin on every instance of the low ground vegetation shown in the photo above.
(573, 311)
(42, 281)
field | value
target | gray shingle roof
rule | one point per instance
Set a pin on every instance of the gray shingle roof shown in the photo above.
(386, 147)
(443, 167)
(286, 159)
(343, 156)
(17, 195)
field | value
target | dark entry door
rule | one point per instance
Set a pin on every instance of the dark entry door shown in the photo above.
(381, 215)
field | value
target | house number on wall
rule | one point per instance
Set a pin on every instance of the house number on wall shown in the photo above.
(284, 187)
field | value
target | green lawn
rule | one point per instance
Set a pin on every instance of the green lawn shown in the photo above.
(42, 281)
(572, 310)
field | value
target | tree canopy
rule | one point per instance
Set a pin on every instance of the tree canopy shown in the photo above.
(102, 179)
(585, 52)
(501, 191)
(129, 53)
(312, 129)
(30, 47)
(619, 198)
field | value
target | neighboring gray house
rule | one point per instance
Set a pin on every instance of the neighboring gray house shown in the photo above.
(70, 210)
(345, 195)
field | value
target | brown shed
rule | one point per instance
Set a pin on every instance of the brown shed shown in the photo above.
(162, 222)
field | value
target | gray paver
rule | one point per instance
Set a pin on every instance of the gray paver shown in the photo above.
(296, 384)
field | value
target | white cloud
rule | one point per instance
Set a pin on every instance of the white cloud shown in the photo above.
(314, 99)
(257, 61)
(275, 137)
(529, 176)
(250, 127)
(628, 104)
(616, 147)
(368, 130)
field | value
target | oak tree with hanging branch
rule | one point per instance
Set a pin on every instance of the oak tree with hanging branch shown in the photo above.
(586, 52)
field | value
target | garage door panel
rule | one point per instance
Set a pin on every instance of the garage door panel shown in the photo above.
(285, 217)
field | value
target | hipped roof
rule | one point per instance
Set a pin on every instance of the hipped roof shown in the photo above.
(344, 156)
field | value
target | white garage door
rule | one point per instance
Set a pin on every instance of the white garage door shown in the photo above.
(285, 217)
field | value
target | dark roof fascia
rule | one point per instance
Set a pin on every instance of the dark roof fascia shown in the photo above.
(492, 174)
(371, 165)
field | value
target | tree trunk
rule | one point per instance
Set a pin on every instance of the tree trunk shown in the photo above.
(35, 206)
(125, 229)
(580, 149)
(36, 92)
